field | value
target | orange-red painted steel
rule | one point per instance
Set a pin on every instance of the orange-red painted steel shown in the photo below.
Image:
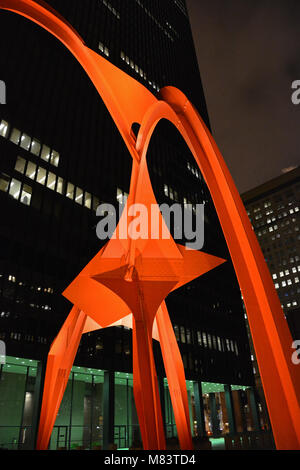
(136, 276)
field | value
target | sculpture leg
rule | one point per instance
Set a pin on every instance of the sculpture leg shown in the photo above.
(60, 360)
(176, 377)
(145, 388)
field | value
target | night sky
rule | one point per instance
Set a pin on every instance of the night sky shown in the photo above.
(249, 55)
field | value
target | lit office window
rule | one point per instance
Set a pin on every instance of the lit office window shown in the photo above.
(88, 200)
(137, 69)
(103, 49)
(188, 336)
(26, 195)
(60, 185)
(35, 147)
(54, 158)
(54, 182)
(276, 285)
(199, 338)
(274, 276)
(111, 9)
(41, 176)
(120, 195)
(70, 191)
(283, 284)
(79, 196)
(25, 142)
(4, 182)
(15, 136)
(20, 165)
(182, 334)
(15, 188)
(4, 128)
(51, 181)
(176, 331)
(45, 153)
(31, 170)
(96, 203)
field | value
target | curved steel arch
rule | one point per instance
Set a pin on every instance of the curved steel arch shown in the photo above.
(271, 337)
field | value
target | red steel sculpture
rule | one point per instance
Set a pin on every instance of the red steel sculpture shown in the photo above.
(128, 280)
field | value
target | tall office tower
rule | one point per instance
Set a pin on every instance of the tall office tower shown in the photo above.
(61, 155)
(273, 209)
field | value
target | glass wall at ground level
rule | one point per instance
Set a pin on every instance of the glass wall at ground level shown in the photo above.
(80, 421)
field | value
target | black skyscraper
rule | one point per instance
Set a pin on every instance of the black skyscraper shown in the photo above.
(61, 155)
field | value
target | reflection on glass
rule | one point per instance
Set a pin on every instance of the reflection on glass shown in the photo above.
(54, 158)
(4, 128)
(15, 188)
(25, 141)
(70, 191)
(79, 196)
(31, 170)
(35, 147)
(15, 136)
(51, 181)
(45, 153)
(41, 176)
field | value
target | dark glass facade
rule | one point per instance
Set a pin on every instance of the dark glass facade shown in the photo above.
(273, 209)
(61, 155)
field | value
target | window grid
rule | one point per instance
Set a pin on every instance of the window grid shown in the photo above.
(55, 183)
(30, 144)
